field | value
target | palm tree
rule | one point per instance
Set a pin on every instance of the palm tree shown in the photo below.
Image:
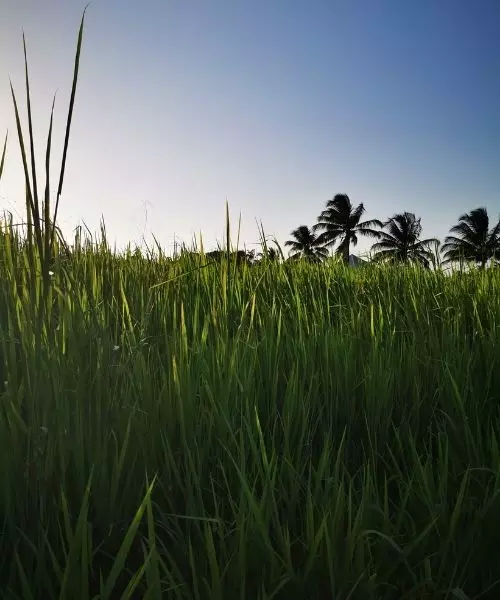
(400, 242)
(306, 245)
(341, 220)
(474, 242)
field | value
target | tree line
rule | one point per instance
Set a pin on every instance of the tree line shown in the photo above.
(398, 239)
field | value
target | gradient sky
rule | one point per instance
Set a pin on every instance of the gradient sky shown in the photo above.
(273, 105)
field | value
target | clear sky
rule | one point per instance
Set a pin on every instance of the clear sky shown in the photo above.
(273, 105)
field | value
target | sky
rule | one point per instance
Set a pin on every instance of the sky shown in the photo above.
(273, 106)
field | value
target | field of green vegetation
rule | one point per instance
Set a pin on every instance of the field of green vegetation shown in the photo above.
(198, 429)
(278, 431)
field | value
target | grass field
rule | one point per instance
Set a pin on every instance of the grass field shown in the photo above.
(200, 430)
(279, 431)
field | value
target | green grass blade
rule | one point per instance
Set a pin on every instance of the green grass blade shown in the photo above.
(29, 195)
(36, 206)
(2, 160)
(121, 557)
(70, 116)
(46, 205)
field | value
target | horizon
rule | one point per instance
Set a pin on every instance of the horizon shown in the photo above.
(414, 128)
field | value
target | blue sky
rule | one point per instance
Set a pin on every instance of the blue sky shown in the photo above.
(273, 105)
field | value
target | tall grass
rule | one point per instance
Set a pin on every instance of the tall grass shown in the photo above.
(304, 432)
(186, 430)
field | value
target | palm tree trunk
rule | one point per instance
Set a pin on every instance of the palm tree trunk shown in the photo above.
(345, 251)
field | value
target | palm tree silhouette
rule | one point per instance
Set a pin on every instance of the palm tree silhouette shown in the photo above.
(474, 241)
(341, 220)
(306, 245)
(400, 242)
